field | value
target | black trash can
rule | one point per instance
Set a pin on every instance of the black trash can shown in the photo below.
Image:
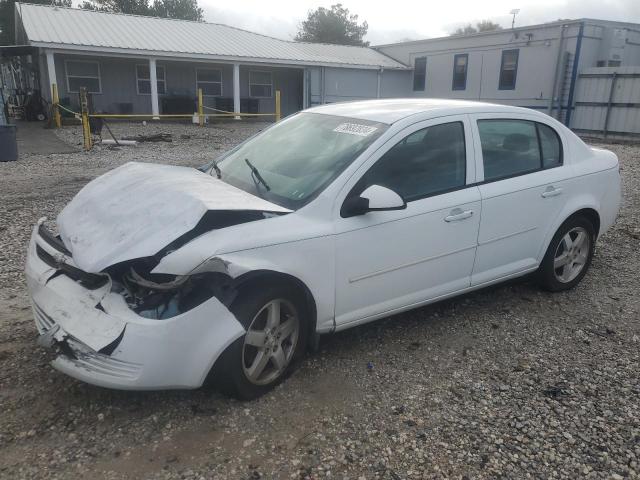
(8, 143)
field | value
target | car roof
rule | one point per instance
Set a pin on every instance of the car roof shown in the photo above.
(394, 109)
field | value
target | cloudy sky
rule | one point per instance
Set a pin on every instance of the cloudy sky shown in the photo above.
(397, 20)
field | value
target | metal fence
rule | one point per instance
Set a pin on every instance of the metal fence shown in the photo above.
(608, 102)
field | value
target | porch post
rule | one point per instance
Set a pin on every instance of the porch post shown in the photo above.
(53, 88)
(155, 110)
(51, 70)
(305, 88)
(236, 88)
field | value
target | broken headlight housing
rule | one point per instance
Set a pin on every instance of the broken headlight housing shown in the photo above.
(160, 296)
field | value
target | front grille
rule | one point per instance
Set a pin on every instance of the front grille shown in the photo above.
(87, 280)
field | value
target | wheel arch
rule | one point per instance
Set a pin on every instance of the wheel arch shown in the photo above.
(588, 210)
(255, 278)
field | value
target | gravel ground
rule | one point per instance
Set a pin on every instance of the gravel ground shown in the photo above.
(508, 382)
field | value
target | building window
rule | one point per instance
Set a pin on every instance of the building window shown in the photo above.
(508, 69)
(613, 63)
(210, 81)
(460, 71)
(83, 74)
(601, 63)
(419, 74)
(143, 80)
(260, 84)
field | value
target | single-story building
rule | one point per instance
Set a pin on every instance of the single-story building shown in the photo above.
(585, 72)
(136, 64)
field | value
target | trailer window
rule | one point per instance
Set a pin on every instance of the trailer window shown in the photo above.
(508, 69)
(460, 63)
(420, 74)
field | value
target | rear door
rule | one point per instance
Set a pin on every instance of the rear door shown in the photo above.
(523, 182)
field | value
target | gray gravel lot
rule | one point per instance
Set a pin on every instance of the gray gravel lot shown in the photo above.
(507, 382)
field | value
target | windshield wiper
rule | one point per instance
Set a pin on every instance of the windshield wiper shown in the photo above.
(217, 169)
(254, 171)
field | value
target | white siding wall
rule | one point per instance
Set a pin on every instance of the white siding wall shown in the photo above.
(536, 64)
(330, 85)
(538, 53)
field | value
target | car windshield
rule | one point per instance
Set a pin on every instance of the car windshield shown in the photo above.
(294, 160)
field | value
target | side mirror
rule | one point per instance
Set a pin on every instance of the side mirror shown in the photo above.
(374, 198)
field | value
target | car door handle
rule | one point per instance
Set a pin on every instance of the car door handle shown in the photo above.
(458, 214)
(551, 192)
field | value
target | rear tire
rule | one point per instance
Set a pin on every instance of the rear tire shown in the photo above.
(275, 338)
(568, 256)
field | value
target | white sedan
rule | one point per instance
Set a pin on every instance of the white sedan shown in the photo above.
(162, 277)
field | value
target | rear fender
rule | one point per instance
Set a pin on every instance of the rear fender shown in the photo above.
(575, 204)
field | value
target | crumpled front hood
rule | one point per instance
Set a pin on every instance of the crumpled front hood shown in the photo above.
(137, 209)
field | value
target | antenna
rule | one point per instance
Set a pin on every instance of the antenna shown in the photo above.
(514, 12)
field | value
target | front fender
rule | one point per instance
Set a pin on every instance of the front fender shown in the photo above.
(310, 261)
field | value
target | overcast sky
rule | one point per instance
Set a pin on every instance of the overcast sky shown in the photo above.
(396, 20)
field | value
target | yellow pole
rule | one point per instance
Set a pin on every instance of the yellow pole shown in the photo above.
(55, 101)
(278, 112)
(84, 108)
(200, 108)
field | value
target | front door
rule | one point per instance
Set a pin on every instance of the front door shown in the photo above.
(391, 260)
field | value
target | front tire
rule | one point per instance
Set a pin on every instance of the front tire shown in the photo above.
(275, 338)
(569, 255)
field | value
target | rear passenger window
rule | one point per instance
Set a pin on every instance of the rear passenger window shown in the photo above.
(516, 147)
(426, 162)
(551, 147)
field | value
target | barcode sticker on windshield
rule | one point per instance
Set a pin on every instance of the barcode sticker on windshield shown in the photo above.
(355, 129)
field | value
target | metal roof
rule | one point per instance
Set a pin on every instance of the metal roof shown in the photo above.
(71, 28)
(524, 28)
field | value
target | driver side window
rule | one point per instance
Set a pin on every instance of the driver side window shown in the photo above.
(426, 162)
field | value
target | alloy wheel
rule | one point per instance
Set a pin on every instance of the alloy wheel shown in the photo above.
(571, 254)
(270, 342)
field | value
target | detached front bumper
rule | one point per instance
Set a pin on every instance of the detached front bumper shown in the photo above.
(101, 341)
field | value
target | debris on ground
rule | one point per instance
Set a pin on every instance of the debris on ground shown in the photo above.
(557, 391)
(123, 143)
(157, 137)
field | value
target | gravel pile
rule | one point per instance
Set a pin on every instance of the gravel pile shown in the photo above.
(508, 382)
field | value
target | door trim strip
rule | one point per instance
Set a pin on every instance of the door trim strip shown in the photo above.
(406, 265)
(508, 235)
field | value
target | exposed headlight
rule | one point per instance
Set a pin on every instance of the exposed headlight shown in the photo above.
(165, 296)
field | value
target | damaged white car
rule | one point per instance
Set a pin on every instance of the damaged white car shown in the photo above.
(159, 277)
